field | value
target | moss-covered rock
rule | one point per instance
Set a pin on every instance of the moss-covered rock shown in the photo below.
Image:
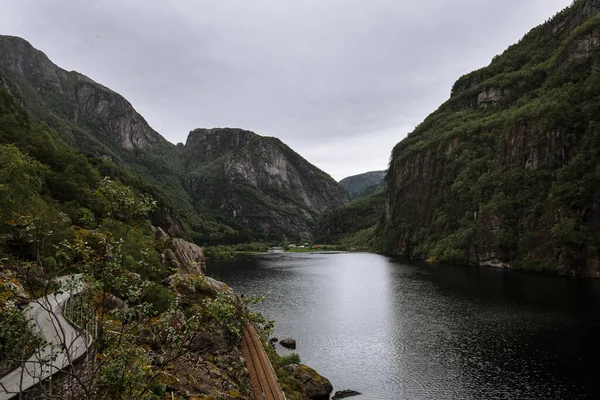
(316, 386)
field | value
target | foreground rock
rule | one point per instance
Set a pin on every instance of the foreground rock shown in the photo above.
(342, 394)
(316, 386)
(186, 257)
(288, 343)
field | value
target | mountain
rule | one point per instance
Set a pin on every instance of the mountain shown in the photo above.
(363, 185)
(353, 224)
(257, 182)
(505, 173)
(223, 185)
(61, 217)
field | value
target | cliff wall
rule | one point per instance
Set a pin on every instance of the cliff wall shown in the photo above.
(505, 173)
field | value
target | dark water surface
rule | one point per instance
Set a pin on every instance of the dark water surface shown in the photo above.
(393, 330)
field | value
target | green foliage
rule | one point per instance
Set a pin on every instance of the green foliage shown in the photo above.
(292, 358)
(125, 371)
(351, 224)
(292, 388)
(121, 203)
(514, 179)
(264, 325)
(21, 180)
(17, 342)
(222, 311)
(159, 297)
(223, 251)
(58, 216)
(219, 251)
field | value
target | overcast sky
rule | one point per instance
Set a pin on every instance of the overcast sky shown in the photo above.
(340, 81)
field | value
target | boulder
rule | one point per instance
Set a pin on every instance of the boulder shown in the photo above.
(190, 284)
(289, 343)
(186, 257)
(316, 386)
(342, 394)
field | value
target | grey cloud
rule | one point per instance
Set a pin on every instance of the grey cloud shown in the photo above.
(341, 81)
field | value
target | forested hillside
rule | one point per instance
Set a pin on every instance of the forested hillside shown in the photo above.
(259, 189)
(507, 171)
(61, 214)
(363, 185)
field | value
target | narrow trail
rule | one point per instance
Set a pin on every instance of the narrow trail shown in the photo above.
(262, 376)
(65, 343)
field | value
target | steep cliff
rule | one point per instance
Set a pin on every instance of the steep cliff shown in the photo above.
(505, 173)
(223, 186)
(48, 89)
(258, 182)
(363, 185)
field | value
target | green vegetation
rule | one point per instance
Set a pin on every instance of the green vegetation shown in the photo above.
(59, 215)
(218, 189)
(507, 168)
(291, 387)
(315, 248)
(352, 225)
(222, 251)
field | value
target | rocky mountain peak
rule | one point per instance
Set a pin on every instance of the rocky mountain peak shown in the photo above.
(20, 56)
(209, 144)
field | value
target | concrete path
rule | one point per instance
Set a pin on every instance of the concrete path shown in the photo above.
(66, 344)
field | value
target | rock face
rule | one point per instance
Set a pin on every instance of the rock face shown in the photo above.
(223, 184)
(258, 182)
(316, 386)
(186, 257)
(363, 185)
(513, 185)
(114, 115)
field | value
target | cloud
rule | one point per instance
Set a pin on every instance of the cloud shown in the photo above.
(351, 75)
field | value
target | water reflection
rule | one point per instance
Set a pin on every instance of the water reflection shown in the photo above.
(395, 330)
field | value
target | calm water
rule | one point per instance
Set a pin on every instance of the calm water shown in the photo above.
(393, 330)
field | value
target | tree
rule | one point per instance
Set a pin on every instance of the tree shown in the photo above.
(21, 180)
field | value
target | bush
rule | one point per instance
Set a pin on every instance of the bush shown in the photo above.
(293, 358)
(159, 296)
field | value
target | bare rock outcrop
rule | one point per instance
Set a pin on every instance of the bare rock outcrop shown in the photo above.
(186, 257)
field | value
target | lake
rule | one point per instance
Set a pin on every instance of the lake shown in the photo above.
(394, 330)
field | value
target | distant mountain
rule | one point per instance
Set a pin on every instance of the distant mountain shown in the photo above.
(363, 185)
(223, 185)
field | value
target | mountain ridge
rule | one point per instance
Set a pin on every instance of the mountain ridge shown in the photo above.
(363, 185)
(100, 123)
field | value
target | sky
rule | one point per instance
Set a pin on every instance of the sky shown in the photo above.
(339, 81)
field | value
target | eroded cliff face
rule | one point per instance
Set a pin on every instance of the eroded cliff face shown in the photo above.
(73, 95)
(114, 116)
(505, 173)
(258, 182)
